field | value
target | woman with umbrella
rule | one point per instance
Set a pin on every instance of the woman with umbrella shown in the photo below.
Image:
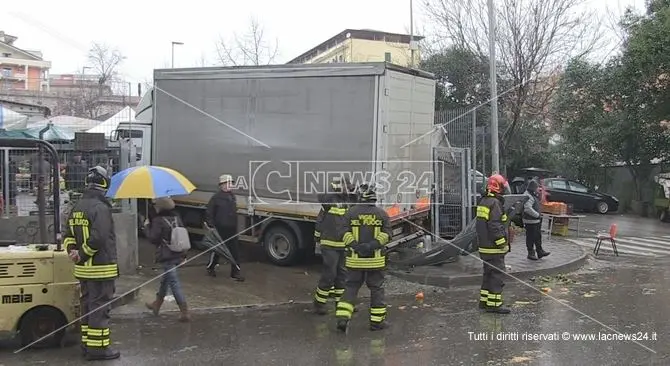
(159, 232)
(158, 183)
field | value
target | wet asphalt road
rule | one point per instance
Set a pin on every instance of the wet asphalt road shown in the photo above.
(628, 295)
(627, 225)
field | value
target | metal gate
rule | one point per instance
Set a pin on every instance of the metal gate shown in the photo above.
(452, 193)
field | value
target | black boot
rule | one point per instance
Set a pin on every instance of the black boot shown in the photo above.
(541, 253)
(498, 309)
(482, 304)
(84, 350)
(100, 354)
(342, 325)
(531, 255)
(211, 271)
(378, 326)
(319, 308)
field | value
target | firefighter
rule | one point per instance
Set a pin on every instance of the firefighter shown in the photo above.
(328, 233)
(91, 244)
(492, 235)
(368, 230)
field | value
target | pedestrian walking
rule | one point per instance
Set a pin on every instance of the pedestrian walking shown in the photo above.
(91, 243)
(328, 233)
(367, 231)
(161, 232)
(222, 215)
(532, 221)
(493, 238)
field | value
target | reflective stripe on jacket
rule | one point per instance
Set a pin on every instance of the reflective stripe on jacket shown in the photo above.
(90, 231)
(491, 226)
(365, 224)
(329, 228)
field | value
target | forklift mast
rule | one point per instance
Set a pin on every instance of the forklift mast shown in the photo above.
(43, 147)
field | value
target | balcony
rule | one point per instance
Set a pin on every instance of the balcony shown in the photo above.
(21, 62)
(4, 75)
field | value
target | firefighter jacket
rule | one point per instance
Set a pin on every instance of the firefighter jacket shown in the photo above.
(329, 227)
(90, 231)
(491, 226)
(366, 224)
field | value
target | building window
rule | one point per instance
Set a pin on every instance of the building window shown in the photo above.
(6, 54)
(387, 56)
(6, 72)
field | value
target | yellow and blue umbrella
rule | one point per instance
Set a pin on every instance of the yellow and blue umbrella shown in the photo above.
(148, 182)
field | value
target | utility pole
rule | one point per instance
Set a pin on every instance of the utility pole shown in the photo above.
(173, 44)
(495, 147)
(411, 33)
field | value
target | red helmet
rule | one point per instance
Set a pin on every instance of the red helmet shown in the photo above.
(497, 184)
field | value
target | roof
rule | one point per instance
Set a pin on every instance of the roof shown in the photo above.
(108, 127)
(14, 48)
(369, 34)
(284, 71)
(75, 124)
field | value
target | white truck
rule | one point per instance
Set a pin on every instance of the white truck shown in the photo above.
(282, 132)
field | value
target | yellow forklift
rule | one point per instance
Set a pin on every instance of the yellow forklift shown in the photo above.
(37, 287)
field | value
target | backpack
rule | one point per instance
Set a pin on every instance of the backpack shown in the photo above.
(179, 239)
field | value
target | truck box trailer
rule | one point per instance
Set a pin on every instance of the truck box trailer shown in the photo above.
(283, 132)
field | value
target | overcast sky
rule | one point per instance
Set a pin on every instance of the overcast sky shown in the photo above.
(143, 30)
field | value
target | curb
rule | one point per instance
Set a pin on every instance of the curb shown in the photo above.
(476, 279)
(218, 308)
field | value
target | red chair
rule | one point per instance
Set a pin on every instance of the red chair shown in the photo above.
(602, 236)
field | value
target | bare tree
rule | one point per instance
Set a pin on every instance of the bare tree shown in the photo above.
(105, 61)
(250, 48)
(533, 39)
(81, 101)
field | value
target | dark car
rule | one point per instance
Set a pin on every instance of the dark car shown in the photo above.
(579, 196)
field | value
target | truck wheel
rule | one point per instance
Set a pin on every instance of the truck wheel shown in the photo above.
(42, 322)
(281, 245)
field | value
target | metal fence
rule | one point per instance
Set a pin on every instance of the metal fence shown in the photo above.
(450, 211)
(457, 181)
(21, 170)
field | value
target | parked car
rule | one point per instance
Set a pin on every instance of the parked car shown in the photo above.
(581, 198)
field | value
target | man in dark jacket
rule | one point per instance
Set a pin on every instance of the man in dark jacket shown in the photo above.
(493, 238)
(328, 232)
(532, 221)
(222, 215)
(159, 233)
(91, 244)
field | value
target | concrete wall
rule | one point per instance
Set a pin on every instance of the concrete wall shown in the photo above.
(25, 230)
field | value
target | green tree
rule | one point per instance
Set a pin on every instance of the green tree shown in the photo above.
(618, 113)
(462, 78)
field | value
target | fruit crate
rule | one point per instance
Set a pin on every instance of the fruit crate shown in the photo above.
(555, 208)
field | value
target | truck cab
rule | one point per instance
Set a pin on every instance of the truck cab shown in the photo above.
(139, 135)
(140, 131)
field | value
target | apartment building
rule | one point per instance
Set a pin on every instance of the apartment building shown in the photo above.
(364, 45)
(21, 69)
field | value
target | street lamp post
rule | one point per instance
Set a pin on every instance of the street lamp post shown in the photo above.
(173, 44)
(495, 147)
(83, 73)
